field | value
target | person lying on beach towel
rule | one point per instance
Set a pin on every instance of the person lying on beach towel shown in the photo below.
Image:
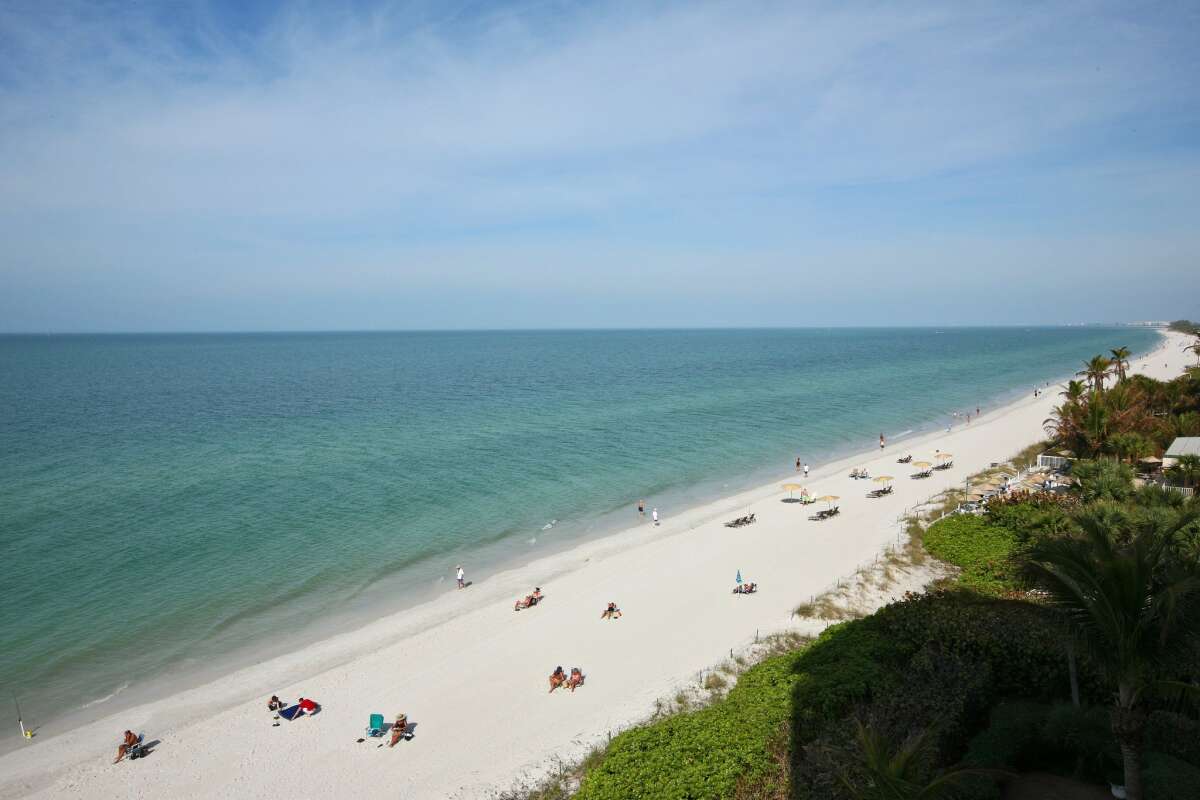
(303, 706)
(530, 599)
(557, 678)
(576, 678)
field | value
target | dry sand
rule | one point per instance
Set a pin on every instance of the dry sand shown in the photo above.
(472, 674)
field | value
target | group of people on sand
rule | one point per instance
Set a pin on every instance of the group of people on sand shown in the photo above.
(559, 678)
(530, 600)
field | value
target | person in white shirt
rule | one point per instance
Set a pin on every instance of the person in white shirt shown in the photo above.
(459, 576)
(654, 516)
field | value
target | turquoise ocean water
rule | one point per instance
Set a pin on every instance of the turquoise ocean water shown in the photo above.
(168, 499)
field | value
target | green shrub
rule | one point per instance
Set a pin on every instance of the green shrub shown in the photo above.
(983, 551)
(1175, 735)
(1029, 520)
(702, 754)
(1082, 737)
(1167, 778)
(1012, 737)
(1103, 479)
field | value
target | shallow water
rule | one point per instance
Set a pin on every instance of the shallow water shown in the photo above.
(169, 498)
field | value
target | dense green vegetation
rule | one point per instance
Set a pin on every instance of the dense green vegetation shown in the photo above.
(1067, 641)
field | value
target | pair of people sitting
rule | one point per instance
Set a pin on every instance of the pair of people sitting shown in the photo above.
(559, 678)
(860, 472)
(530, 599)
(612, 612)
(745, 588)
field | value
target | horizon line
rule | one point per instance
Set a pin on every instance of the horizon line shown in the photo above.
(582, 329)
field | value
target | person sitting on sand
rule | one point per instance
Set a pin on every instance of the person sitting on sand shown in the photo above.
(612, 612)
(275, 704)
(307, 706)
(576, 678)
(129, 740)
(399, 729)
(745, 588)
(557, 678)
(530, 599)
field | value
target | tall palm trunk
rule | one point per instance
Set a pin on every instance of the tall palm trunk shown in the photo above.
(1129, 727)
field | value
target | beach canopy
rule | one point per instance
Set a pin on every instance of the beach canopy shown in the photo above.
(883, 479)
(921, 464)
(829, 498)
(944, 456)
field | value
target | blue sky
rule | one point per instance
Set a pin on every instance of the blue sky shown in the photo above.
(233, 166)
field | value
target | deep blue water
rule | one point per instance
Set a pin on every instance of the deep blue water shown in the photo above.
(155, 489)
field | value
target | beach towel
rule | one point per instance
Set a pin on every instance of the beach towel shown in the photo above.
(291, 713)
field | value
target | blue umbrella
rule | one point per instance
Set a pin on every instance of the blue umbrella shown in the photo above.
(739, 576)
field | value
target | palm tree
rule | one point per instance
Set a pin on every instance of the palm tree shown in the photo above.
(880, 770)
(1187, 469)
(1074, 391)
(1120, 361)
(1096, 370)
(1129, 602)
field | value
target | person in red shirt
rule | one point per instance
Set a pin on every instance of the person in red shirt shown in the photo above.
(307, 706)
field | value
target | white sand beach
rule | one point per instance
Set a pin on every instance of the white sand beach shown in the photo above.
(472, 674)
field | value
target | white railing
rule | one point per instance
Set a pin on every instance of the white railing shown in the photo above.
(1053, 462)
(1186, 491)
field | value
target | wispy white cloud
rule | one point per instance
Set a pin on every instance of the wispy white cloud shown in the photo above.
(328, 150)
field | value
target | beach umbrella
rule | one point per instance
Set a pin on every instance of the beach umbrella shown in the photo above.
(921, 464)
(739, 577)
(791, 487)
(829, 498)
(883, 479)
(944, 456)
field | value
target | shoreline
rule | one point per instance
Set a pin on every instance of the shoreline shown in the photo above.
(372, 668)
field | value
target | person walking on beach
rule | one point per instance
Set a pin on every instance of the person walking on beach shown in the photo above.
(641, 508)
(806, 470)
(460, 576)
(880, 441)
(654, 515)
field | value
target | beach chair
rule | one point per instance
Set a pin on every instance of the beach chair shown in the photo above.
(375, 725)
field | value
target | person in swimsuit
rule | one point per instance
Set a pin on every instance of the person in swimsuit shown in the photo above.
(612, 612)
(576, 678)
(399, 729)
(557, 678)
(129, 740)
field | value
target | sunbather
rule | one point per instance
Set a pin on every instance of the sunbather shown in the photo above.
(130, 739)
(576, 678)
(557, 678)
(612, 612)
(274, 704)
(399, 728)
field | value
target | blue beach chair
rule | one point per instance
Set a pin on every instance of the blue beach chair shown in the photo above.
(375, 725)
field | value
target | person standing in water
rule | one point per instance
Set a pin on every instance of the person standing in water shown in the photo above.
(460, 576)
(654, 515)
(797, 465)
(641, 508)
(880, 441)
